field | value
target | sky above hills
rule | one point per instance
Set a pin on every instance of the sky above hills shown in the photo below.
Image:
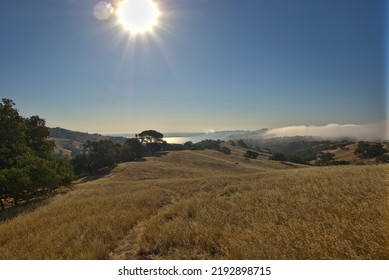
(209, 64)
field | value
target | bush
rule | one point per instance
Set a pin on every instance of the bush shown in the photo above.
(225, 150)
(251, 154)
(382, 159)
(278, 156)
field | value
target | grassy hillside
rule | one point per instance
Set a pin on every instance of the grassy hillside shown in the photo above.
(208, 205)
(69, 143)
(347, 153)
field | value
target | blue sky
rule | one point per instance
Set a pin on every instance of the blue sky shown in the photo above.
(211, 64)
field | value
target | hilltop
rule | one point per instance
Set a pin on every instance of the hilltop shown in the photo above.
(210, 205)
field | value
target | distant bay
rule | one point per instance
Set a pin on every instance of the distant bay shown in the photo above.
(182, 137)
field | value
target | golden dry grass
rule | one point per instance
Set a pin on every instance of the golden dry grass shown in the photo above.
(207, 205)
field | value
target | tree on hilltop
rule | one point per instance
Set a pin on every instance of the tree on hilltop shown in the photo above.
(152, 139)
(150, 136)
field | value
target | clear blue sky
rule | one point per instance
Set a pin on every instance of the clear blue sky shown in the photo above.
(212, 64)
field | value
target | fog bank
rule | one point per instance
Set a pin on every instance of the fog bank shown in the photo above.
(370, 132)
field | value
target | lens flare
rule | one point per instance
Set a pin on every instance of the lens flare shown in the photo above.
(103, 10)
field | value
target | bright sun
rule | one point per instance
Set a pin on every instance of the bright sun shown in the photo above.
(138, 16)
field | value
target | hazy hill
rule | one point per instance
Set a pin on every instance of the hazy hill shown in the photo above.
(209, 205)
(69, 143)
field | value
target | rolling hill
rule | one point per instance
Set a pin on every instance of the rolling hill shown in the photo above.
(69, 143)
(208, 205)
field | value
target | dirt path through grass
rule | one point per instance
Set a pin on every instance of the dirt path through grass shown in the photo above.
(128, 247)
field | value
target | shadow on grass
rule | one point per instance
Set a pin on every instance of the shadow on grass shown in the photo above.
(12, 211)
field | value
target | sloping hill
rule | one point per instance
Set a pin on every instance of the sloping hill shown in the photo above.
(208, 205)
(347, 153)
(69, 143)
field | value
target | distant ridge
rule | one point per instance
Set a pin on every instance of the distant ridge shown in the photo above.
(62, 133)
(69, 143)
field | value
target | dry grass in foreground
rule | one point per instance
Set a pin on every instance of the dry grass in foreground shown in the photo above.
(202, 205)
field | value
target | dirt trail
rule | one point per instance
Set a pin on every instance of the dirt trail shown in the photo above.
(127, 247)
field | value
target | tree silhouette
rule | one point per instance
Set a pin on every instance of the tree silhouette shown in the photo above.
(150, 136)
(152, 139)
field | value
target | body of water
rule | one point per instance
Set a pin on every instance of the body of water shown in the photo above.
(181, 138)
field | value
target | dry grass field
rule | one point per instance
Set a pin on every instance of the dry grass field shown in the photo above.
(207, 205)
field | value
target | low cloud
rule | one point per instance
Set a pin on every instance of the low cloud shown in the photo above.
(370, 132)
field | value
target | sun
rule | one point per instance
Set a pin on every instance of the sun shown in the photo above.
(138, 16)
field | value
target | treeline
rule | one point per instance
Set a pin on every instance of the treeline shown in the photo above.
(364, 150)
(96, 156)
(105, 154)
(27, 168)
(368, 150)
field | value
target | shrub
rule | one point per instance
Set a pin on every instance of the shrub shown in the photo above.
(278, 156)
(251, 154)
(225, 150)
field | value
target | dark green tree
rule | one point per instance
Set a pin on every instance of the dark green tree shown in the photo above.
(38, 136)
(13, 130)
(150, 136)
(27, 169)
(278, 156)
(251, 154)
(369, 150)
(325, 158)
(103, 153)
(188, 145)
(80, 164)
(152, 139)
(225, 150)
(132, 150)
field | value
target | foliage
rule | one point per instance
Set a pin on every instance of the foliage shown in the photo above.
(278, 156)
(295, 159)
(173, 147)
(73, 141)
(150, 136)
(188, 145)
(132, 150)
(207, 144)
(97, 155)
(152, 139)
(242, 144)
(251, 154)
(27, 169)
(369, 150)
(225, 150)
(382, 159)
(325, 158)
